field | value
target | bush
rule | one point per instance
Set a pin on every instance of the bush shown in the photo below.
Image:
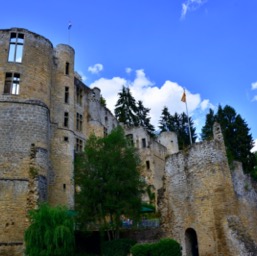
(120, 247)
(165, 247)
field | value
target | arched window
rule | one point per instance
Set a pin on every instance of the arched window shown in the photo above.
(191, 242)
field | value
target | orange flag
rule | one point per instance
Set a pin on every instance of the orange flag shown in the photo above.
(183, 97)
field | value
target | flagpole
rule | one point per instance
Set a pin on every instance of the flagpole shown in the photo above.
(189, 129)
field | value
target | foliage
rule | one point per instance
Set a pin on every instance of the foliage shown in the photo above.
(144, 119)
(254, 172)
(50, 233)
(126, 108)
(132, 113)
(109, 178)
(165, 247)
(120, 247)
(178, 123)
(237, 137)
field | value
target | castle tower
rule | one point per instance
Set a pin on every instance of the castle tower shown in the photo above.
(61, 185)
(25, 85)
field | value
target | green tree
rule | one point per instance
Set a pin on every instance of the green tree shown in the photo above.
(144, 119)
(110, 184)
(178, 123)
(165, 120)
(51, 232)
(126, 108)
(237, 137)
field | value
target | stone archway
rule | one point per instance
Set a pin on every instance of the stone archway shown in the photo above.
(191, 242)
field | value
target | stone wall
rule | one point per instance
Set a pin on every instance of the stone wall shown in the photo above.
(198, 198)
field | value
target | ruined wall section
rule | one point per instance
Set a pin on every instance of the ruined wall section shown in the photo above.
(100, 120)
(198, 193)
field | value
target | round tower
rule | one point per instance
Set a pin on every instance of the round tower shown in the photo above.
(61, 189)
(25, 83)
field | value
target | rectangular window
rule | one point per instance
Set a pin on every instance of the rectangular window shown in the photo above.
(67, 68)
(79, 145)
(66, 119)
(12, 83)
(16, 47)
(143, 143)
(79, 95)
(79, 122)
(66, 95)
(147, 165)
(66, 139)
(105, 132)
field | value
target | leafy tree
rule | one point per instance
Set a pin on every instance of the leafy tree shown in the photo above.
(126, 108)
(237, 137)
(109, 179)
(178, 123)
(51, 232)
(144, 119)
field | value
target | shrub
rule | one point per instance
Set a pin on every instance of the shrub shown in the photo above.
(165, 247)
(119, 247)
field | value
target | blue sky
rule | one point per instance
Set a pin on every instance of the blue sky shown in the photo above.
(157, 48)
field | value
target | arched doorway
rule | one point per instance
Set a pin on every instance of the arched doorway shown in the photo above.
(191, 242)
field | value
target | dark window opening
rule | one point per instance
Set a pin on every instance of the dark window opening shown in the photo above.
(79, 145)
(12, 83)
(79, 95)
(66, 95)
(67, 68)
(66, 119)
(143, 143)
(16, 47)
(64, 186)
(79, 122)
(148, 165)
(66, 139)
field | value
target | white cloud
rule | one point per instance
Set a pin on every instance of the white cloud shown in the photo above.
(254, 86)
(82, 75)
(254, 149)
(191, 5)
(154, 97)
(128, 70)
(96, 69)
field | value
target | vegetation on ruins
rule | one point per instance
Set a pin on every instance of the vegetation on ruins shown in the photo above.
(51, 232)
(165, 247)
(108, 175)
(178, 123)
(237, 137)
(131, 112)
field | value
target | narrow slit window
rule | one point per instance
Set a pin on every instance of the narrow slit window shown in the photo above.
(16, 47)
(67, 68)
(66, 95)
(66, 119)
(12, 83)
(148, 165)
(64, 186)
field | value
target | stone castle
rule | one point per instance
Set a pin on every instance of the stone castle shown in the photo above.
(46, 115)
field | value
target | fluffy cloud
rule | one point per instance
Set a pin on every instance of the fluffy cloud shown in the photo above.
(191, 5)
(154, 97)
(128, 70)
(96, 69)
(254, 86)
